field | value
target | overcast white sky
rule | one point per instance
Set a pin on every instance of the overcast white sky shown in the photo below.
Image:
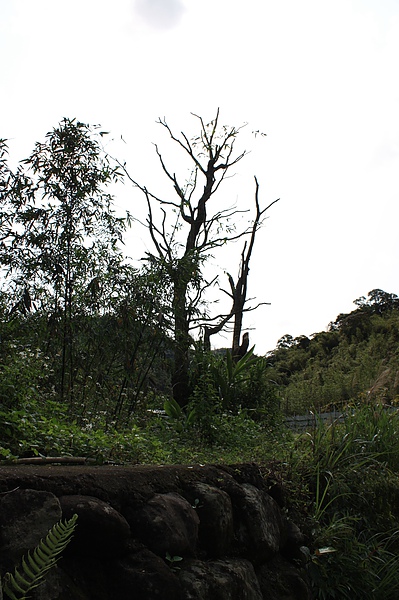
(319, 77)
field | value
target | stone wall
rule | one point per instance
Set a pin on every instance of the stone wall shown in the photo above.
(147, 533)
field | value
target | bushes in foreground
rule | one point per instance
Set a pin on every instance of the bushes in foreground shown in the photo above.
(348, 474)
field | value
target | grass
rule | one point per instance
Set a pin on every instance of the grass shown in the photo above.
(351, 474)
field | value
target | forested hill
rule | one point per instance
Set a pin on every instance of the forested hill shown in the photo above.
(355, 359)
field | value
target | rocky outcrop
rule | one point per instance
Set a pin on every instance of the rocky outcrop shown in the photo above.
(170, 533)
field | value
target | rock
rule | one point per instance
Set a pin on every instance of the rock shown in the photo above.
(229, 579)
(144, 576)
(280, 580)
(100, 531)
(166, 524)
(215, 512)
(57, 585)
(89, 575)
(294, 539)
(26, 516)
(260, 527)
(236, 524)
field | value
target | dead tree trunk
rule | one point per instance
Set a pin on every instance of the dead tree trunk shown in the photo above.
(238, 291)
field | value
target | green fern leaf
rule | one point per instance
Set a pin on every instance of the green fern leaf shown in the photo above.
(33, 564)
(27, 570)
(20, 580)
(43, 557)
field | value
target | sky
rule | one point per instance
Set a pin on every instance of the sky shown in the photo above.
(320, 78)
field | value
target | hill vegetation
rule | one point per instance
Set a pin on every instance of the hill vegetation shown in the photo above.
(357, 358)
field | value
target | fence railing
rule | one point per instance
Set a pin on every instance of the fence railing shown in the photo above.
(301, 422)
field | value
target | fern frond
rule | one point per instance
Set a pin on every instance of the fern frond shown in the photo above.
(35, 566)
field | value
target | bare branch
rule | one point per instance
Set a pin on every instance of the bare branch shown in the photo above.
(187, 148)
(212, 155)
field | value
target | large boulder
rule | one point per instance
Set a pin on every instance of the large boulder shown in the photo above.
(279, 579)
(215, 512)
(26, 516)
(260, 527)
(144, 576)
(146, 533)
(228, 579)
(166, 524)
(101, 530)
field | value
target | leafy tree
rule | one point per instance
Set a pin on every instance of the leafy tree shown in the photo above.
(378, 301)
(60, 236)
(286, 341)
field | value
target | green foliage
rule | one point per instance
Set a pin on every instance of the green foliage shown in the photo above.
(224, 439)
(47, 429)
(62, 242)
(69, 297)
(37, 429)
(359, 566)
(354, 517)
(22, 372)
(245, 385)
(63, 230)
(37, 563)
(172, 560)
(358, 355)
(182, 417)
(116, 355)
(228, 375)
(206, 405)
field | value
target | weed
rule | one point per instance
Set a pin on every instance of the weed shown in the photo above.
(172, 560)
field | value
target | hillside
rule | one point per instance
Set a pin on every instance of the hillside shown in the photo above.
(356, 358)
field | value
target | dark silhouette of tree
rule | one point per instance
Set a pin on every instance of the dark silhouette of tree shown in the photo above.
(243, 348)
(184, 232)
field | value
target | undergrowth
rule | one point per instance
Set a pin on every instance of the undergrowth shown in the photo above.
(347, 477)
(48, 430)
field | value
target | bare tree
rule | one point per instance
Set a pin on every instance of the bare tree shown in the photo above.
(238, 290)
(197, 228)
